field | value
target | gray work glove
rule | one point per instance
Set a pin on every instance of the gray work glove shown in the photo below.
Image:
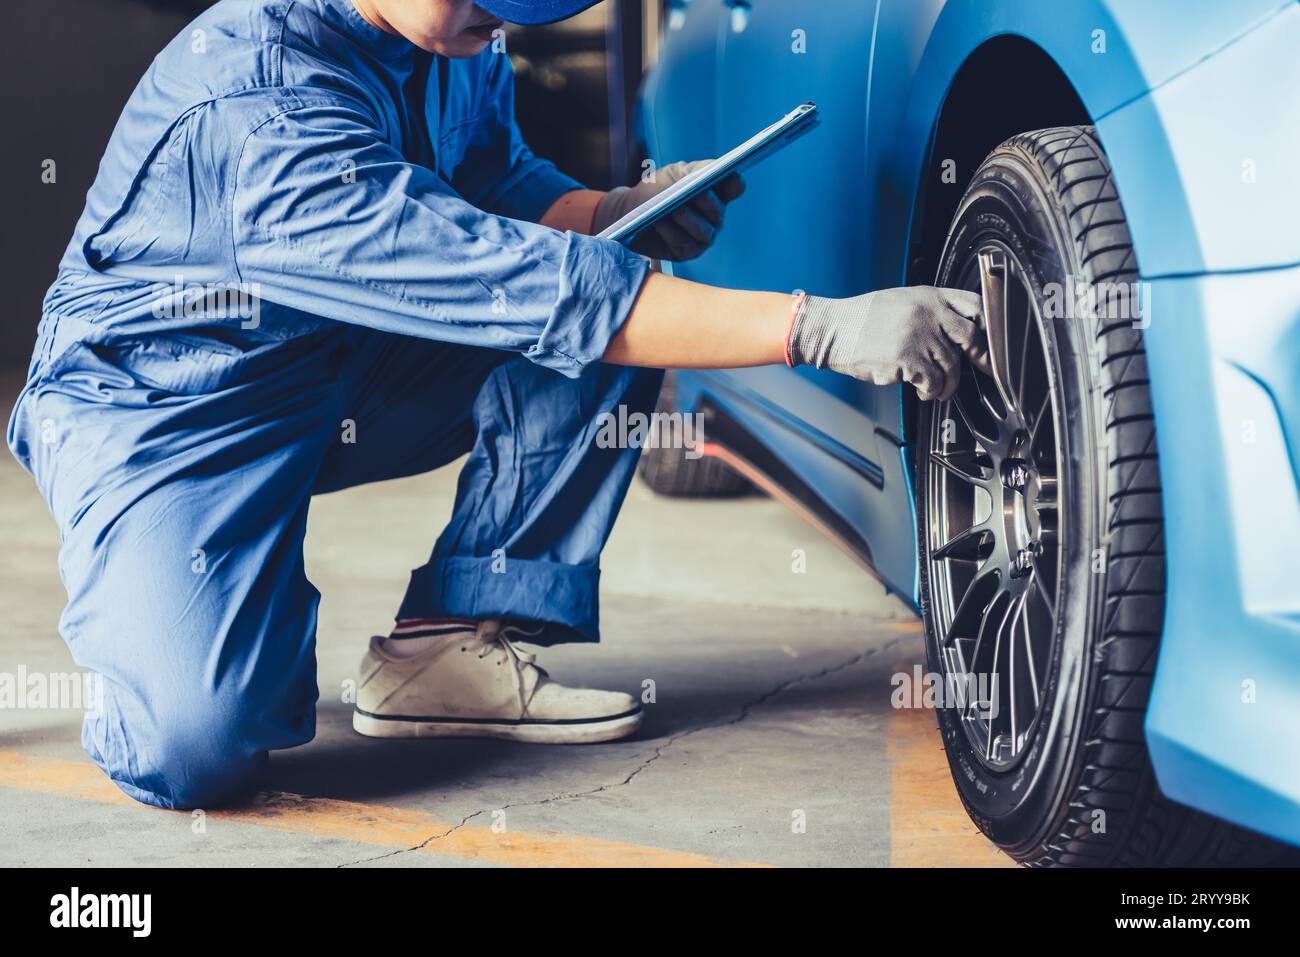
(917, 334)
(685, 234)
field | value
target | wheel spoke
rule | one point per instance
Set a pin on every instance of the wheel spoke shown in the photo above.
(1031, 665)
(1036, 583)
(1041, 625)
(993, 287)
(967, 545)
(970, 602)
(1029, 645)
(990, 407)
(1034, 430)
(1013, 614)
(969, 466)
(984, 437)
(985, 618)
(1030, 332)
(993, 671)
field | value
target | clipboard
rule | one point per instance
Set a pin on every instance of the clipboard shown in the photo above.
(790, 127)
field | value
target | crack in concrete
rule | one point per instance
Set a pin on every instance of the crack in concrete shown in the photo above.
(761, 700)
(743, 714)
(418, 847)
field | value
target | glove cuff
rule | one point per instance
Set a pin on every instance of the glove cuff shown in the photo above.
(609, 210)
(809, 341)
(796, 307)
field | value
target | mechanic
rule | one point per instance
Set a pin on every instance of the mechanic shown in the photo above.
(425, 287)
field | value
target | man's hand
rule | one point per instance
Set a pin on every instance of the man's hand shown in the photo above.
(684, 234)
(916, 334)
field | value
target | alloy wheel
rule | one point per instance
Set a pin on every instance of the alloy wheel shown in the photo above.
(995, 535)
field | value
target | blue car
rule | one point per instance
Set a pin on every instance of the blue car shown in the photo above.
(1103, 536)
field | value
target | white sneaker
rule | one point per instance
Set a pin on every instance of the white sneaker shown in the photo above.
(478, 684)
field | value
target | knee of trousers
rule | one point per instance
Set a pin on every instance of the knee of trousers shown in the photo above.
(178, 761)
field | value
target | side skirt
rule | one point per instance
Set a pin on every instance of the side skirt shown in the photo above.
(735, 445)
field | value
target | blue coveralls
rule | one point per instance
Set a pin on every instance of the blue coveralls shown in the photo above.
(376, 210)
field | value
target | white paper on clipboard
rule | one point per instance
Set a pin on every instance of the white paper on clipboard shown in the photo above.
(795, 123)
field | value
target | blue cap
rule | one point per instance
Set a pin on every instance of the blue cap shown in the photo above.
(530, 12)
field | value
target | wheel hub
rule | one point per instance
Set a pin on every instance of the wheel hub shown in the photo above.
(1021, 523)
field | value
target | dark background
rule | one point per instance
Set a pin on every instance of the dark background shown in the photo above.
(68, 67)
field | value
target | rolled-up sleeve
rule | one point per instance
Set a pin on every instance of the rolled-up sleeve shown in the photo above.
(330, 219)
(499, 173)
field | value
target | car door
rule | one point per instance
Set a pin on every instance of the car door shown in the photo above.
(808, 226)
(677, 115)
(805, 223)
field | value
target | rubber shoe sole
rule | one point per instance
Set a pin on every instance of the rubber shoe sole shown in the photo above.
(576, 731)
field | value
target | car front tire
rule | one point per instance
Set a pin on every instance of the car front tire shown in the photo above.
(1041, 533)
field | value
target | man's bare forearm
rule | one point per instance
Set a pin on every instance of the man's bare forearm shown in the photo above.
(676, 324)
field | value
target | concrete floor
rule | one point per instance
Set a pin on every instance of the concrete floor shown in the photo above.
(771, 741)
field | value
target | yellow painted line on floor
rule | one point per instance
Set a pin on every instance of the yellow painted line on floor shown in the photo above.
(928, 825)
(361, 823)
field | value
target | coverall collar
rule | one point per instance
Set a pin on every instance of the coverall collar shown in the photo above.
(344, 15)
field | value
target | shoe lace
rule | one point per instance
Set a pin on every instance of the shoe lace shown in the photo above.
(500, 641)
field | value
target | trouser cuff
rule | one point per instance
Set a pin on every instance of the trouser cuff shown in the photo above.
(566, 597)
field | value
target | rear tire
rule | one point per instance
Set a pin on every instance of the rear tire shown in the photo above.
(1070, 586)
(667, 470)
